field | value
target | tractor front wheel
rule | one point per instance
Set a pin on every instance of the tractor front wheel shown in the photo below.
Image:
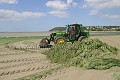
(60, 40)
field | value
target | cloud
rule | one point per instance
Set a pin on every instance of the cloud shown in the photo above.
(9, 1)
(112, 16)
(71, 3)
(60, 14)
(93, 12)
(99, 5)
(57, 4)
(14, 15)
(60, 6)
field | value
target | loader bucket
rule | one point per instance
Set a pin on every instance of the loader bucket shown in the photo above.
(44, 43)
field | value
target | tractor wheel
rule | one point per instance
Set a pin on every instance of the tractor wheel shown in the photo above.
(81, 38)
(59, 40)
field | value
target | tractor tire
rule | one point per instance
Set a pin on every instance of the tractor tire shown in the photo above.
(59, 40)
(81, 38)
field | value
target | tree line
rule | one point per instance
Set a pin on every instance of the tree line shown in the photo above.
(91, 28)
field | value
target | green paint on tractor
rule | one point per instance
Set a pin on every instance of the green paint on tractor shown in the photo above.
(60, 34)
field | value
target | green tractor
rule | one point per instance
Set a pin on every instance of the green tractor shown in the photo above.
(74, 32)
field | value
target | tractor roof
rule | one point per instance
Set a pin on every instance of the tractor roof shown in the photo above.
(75, 25)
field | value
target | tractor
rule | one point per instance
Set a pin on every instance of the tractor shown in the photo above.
(74, 32)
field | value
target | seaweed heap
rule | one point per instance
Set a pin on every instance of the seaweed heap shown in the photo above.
(89, 53)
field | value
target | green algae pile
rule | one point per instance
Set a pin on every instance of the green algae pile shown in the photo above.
(89, 53)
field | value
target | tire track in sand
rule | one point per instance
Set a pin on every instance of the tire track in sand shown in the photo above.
(26, 65)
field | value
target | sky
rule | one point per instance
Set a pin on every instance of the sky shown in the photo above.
(42, 15)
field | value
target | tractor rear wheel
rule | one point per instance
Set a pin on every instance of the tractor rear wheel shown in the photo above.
(81, 38)
(59, 40)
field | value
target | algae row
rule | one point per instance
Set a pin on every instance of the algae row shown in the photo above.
(89, 53)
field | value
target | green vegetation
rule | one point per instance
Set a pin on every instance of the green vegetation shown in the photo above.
(92, 28)
(64, 28)
(14, 39)
(89, 53)
(58, 29)
(116, 76)
(103, 28)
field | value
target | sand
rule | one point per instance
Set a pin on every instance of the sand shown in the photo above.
(31, 61)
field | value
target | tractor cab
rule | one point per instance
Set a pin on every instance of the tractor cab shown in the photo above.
(73, 31)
